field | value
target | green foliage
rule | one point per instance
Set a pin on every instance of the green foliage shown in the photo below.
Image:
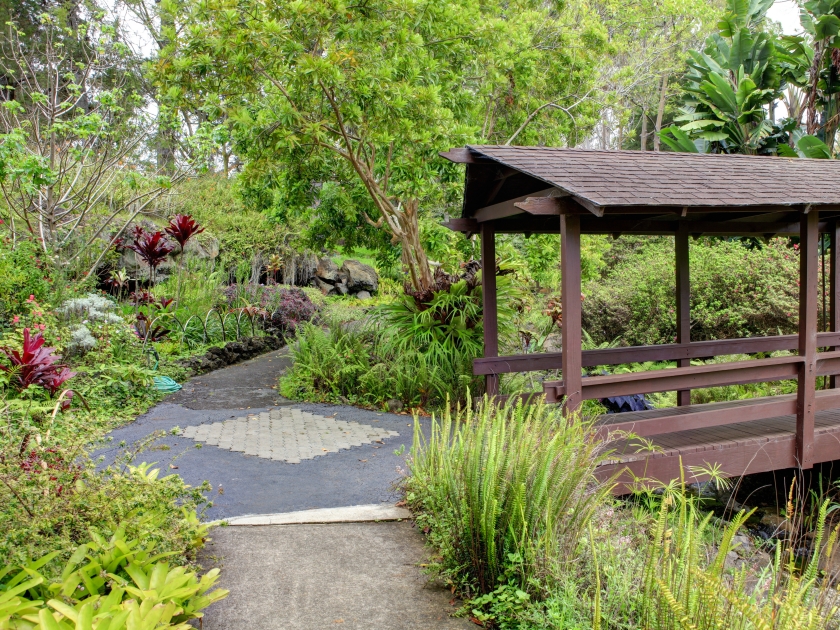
(507, 493)
(740, 75)
(366, 120)
(57, 508)
(23, 272)
(107, 584)
(449, 326)
(679, 583)
(735, 292)
(520, 526)
(354, 363)
(240, 232)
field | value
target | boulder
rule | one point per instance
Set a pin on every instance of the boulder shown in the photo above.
(326, 288)
(327, 271)
(341, 288)
(363, 295)
(360, 277)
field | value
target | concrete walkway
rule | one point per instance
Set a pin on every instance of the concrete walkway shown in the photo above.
(248, 484)
(271, 460)
(308, 577)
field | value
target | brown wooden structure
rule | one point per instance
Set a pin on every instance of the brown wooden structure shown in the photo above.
(534, 190)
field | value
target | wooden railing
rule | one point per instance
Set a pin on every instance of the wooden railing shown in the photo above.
(640, 354)
(701, 376)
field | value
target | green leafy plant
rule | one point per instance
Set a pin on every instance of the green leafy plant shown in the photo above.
(107, 584)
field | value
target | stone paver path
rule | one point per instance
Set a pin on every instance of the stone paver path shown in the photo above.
(286, 434)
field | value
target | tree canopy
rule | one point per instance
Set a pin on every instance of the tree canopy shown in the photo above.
(344, 107)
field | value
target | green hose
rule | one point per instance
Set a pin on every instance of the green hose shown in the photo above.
(162, 383)
(166, 385)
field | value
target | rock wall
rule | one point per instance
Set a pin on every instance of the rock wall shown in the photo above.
(232, 352)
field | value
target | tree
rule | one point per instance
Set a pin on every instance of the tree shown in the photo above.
(648, 44)
(72, 135)
(340, 109)
(733, 85)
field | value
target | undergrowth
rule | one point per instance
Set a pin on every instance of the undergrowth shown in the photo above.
(525, 531)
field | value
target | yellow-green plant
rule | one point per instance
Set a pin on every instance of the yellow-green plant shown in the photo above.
(111, 584)
(684, 590)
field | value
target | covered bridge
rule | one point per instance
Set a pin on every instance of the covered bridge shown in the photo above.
(532, 190)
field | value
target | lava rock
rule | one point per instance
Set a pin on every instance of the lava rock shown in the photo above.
(231, 353)
(325, 287)
(360, 277)
(327, 271)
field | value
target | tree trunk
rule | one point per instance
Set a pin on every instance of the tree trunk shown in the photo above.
(643, 139)
(660, 112)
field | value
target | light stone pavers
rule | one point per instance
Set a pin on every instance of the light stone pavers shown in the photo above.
(286, 434)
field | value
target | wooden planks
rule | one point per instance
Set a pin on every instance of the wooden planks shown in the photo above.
(741, 448)
(639, 354)
(693, 377)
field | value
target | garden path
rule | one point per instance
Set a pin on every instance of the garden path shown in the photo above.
(265, 455)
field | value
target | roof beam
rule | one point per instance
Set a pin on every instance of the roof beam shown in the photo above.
(543, 206)
(462, 155)
(508, 208)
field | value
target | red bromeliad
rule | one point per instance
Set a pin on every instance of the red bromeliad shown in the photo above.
(36, 364)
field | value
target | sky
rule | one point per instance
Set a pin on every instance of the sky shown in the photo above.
(786, 12)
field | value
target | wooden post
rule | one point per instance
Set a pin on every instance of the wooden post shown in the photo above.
(570, 269)
(833, 278)
(683, 303)
(488, 296)
(808, 308)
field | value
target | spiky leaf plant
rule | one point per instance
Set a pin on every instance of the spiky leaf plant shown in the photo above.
(517, 481)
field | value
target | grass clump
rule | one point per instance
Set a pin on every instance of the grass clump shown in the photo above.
(352, 363)
(505, 492)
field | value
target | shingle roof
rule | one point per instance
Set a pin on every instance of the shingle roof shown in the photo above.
(635, 178)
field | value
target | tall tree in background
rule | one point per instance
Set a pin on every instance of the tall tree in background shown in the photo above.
(648, 42)
(343, 107)
(72, 134)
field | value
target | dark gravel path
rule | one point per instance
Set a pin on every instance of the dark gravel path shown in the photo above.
(251, 485)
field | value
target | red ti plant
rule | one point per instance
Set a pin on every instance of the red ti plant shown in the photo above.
(144, 329)
(36, 364)
(153, 249)
(182, 228)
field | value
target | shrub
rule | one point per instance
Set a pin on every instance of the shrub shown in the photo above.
(52, 498)
(520, 525)
(286, 307)
(116, 584)
(23, 273)
(735, 292)
(680, 583)
(506, 494)
(351, 363)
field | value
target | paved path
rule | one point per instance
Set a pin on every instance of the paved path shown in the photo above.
(302, 577)
(362, 474)
(264, 455)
